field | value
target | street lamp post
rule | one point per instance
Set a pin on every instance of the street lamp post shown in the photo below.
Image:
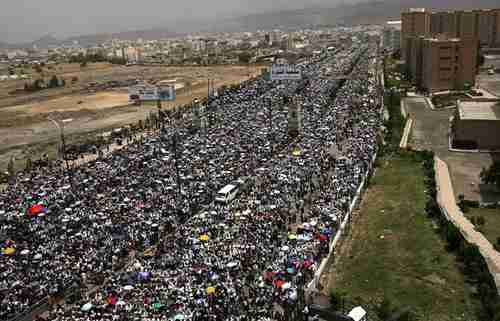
(175, 139)
(60, 127)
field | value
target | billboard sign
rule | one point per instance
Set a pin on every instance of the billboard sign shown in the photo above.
(152, 93)
(149, 93)
(166, 92)
(285, 72)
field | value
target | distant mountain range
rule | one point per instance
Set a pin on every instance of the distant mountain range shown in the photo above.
(376, 11)
(89, 40)
(361, 13)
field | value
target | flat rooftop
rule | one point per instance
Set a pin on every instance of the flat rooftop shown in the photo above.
(474, 110)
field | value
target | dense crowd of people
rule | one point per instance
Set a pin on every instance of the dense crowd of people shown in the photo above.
(246, 260)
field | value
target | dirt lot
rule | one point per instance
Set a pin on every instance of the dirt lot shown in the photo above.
(25, 130)
(430, 131)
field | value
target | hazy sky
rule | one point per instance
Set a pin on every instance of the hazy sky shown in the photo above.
(26, 20)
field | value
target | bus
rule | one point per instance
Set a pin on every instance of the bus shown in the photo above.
(227, 194)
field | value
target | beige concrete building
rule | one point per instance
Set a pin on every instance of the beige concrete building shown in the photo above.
(414, 59)
(496, 28)
(443, 23)
(414, 23)
(446, 64)
(485, 26)
(481, 24)
(435, 64)
(476, 125)
(465, 24)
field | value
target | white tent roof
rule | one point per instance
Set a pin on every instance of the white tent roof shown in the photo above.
(357, 314)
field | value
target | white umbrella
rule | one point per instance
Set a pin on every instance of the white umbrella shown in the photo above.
(232, 264)
(285, 248)
(121, 302)
(128, 287)
(86, 307)
(286, 286)
(25, 252)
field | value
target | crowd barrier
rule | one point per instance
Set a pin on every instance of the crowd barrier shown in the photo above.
(313, 285)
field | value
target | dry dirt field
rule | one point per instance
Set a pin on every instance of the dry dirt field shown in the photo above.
(25, 130)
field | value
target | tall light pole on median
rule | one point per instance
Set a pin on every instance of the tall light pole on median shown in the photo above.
(60, 126)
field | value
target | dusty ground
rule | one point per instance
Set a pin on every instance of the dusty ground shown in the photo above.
(430, 132)
(25, 130)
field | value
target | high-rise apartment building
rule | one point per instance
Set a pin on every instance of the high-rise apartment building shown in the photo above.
(496, 28)
(414, 23)
(443, 23)
(391, 36)
(481, 24)
(465, 24)
(414, 58)
(485, 23)
(446, 63)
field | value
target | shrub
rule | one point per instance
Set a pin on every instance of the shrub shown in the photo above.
(336, 299)
(384, 309)
(453, 237)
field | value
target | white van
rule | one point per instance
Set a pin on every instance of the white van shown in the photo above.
(227, 194)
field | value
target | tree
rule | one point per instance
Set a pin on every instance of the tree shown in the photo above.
(453, 237)
(83, 64)
(336, 299)
(384, 310)
(491, 175)
(38, 69)
(244, 57)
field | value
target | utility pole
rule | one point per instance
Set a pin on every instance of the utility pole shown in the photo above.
(208, 90)
(174, 145)
(60, 127)
(270, 115)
